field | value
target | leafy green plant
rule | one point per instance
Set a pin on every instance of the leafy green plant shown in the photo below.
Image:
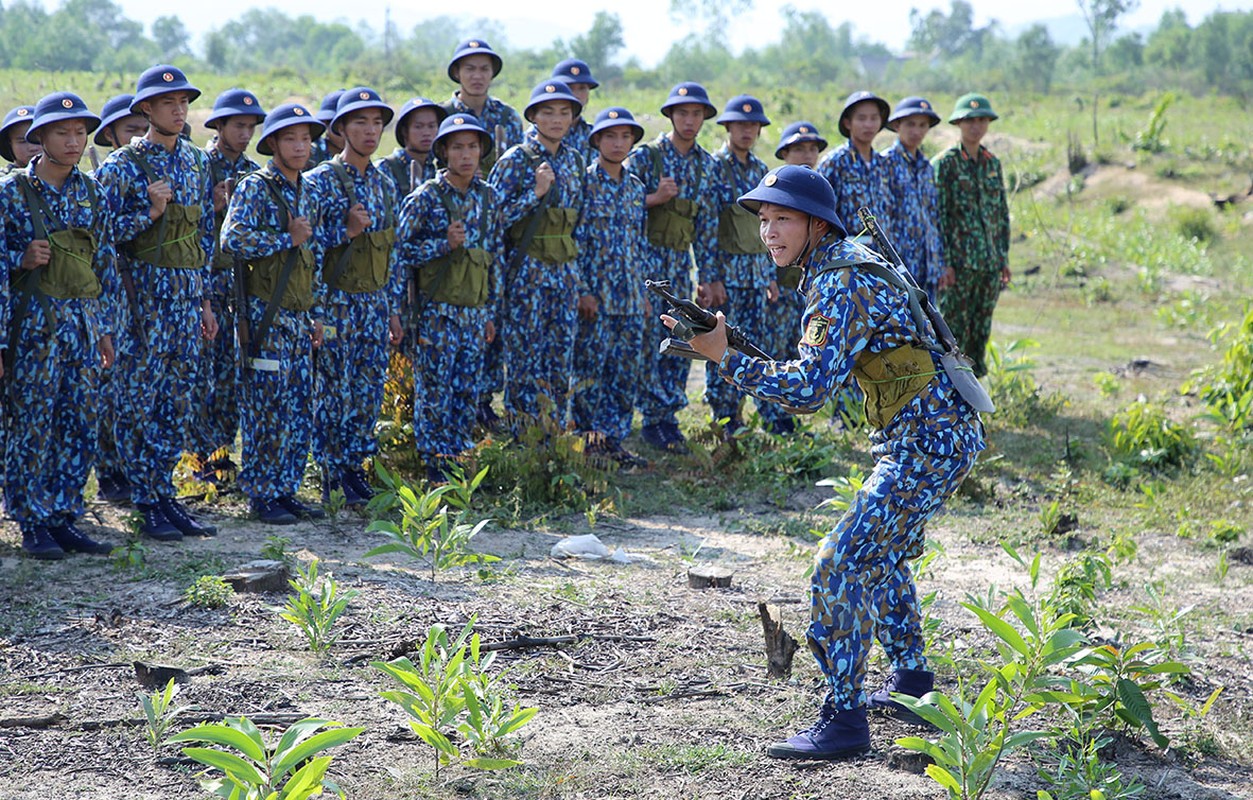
(1115, 684)
(335, 503)
(290, 769)
(133, 553)
(276, 549)
(1107, 384)
(315, 610)
(976, 733)
(159, 713)
(1149, 139)
(1080, 774)
(1143, 435)
(449, 691)
(1227, 387)
(1224, 532)
(1076, 585)
(429, 532)
(209, 591)
(1015, 392)
(845, 487)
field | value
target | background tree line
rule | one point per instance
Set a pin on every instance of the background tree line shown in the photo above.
(946, 51)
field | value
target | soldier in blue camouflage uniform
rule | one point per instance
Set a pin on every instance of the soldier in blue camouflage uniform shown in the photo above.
(57, 270)
(352, 204)
(539, 185)
(856, 172)
(448, 244)
(329, 144)
(609, 352)
(740, 282)
(915, 200)
(14, 146)
(859, 326)
(474, 65)
(577, 76)
(678, 177)
(117, 127)
(236, 114)
(417, 125)
(268, 228)
(800, 143)
(160, 189)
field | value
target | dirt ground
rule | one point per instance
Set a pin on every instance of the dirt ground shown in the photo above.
(666, 697)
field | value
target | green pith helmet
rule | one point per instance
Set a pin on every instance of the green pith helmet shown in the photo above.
(972, 105)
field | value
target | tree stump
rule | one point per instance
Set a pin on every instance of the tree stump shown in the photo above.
(258, 577)
(156, 676)
(780, 646)
(709, 577)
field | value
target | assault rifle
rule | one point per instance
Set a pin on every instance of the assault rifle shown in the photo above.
(692, 320)
(955, 363)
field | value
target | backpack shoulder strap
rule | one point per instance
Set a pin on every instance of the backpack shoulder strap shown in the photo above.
(345, 179)
(142, 162)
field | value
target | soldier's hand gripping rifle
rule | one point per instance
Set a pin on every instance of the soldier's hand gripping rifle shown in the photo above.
(955, 363)
(692, 320)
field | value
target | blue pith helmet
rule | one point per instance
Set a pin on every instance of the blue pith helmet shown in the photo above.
(161, 79)
(689, 93)
(360, 98)
(572, 70)
(15, 117)
(548, 91)
(414, 105)
(862, 97)
(743, 108)
(115, 108)
(285, 116)
(59, 107)
(326, 111)
(911, 106)
(799, 132)
(615, 117)
(234, 103)
(456, 123)
(473, 47)
(799, 188)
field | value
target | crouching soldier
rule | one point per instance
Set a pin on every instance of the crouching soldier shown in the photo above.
(236, 114)
(268, 231)
(609, 355)
(449, 244)
(59, 275)
(160, 190)
(859, 325)
(351, 203)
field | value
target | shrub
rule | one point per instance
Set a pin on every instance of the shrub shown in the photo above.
(1143, 435)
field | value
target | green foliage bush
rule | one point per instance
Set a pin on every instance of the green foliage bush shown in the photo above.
(1143, 435)
(1193, 224)
(1227, 388)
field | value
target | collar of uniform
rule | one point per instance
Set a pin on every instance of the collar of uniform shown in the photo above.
(274, 171)
(984, 153)
(847, 250)
(609, 178)
(29, 169)
(533, 136)
(917, 158)
(695, 151)
(146, 145)
(369, 167)
(403, 154)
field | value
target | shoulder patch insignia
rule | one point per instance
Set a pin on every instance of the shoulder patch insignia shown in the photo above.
(816, 331)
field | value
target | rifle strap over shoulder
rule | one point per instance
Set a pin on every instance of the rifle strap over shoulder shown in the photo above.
(284, 276)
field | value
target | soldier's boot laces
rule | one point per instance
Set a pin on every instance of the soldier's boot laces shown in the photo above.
(156, 525)
(72, 540)
(272, 512)
(181, 519)
(836, 735)
(38, 543)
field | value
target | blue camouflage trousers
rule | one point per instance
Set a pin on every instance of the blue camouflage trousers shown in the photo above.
(862, 588)
(664, 392)
(350, 370)
(746, 310)
(541, 324)
(51, 440)
(107, 462)
(608, 370)
(447, 365)
(154, 385)
(492, 375)
(275, 406)
(217, 412)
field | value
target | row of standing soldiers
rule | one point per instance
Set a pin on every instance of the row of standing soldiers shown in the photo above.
(263, 299)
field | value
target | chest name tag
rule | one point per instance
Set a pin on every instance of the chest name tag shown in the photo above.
(816, 331)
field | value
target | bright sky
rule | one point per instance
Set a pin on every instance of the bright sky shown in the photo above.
(649, 30)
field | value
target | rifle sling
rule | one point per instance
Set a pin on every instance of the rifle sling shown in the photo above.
(27, 283)
(280, 285)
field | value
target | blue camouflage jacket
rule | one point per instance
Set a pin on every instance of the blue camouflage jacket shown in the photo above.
(916, 214)
(696, 175)
(513, 178)
(398, 166)
(422, 229)
(80, 202)
(327, 208)
(849, 311)
(738, 270)
(251, 230)
(611, 235)
(186, 169)
(858, 182)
